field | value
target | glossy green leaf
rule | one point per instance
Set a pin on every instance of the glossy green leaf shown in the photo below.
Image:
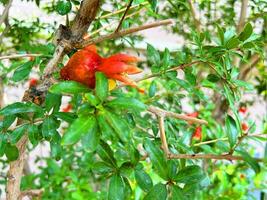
(103, 124)
(17, 134)
(231, 130)
(19, 107)
(52, 101)
(153, 4)
(66, 116)
(63, 7)
(143, 180)
(213, 78)
(56, 150)
(166, 58)
(251, 161)
(91, 139)
(79, 127)
(127, 103)
(92, 99)
(119, 125)
(106, 153)
(11, 152)
(116, 188)
(157, 158)
(68, 87)
(232, 43)
(153, 55)
(33, 134)
(49, 127)
(152, 89)
(158, 192)
(246, 32)
(101, 86)
(22, 72)
(176, 193)
(3, 144)
(190, 174)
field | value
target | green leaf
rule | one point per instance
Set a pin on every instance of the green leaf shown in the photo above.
(19, 107)
(143, 180)
(101, 86)
(119, 125)
(69, 87)
(152, 88)
(22, 72)
(106, 154)
(251, 161)
(127, 103)
(246, 33)
(66, 116)
(103, 124)
(49, 128)
(79, 127)
(153, 55)
(166, 58)
(153, 4)
(158, 192)
(17, 134)
(190, 174)
(213, 78)
(33, 134)
(52, 101)
(176, 193)
(157, 158)
(232, 43)
(63, 7)
(116, 188)
(246, 85)
(92, 99)
(11, 152)
(3, 144)
(91, 139)
(221, 34)
(231, 129)
(56, 150)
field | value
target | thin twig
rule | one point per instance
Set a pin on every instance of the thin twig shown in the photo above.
(122, 33)
(127, 9)
(182, 66)
(208, 156)
(194, 15)
(225, 139)
(163, 135)
(121, 10)
(164, 113)
(21, 56)
(5, 12)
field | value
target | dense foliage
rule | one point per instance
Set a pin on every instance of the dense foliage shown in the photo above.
(106, 144)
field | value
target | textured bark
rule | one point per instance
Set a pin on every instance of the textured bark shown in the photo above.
(84, 17)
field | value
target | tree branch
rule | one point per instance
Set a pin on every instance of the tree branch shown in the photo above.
(182, 66)
(194, 15)
(31, 193)
(127, 9)
(121, 33)
(163, 135)
(243, 15)
(208, 156)
(5, 12)
(164, 113)
(20, 56)
(246, 68)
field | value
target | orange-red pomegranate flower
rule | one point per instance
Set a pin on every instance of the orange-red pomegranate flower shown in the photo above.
(197, 133)
(83, 65)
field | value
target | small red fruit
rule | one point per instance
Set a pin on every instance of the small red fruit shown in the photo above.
(33, 82)
(244, 126)
(83, 65)
(197, 133)
(194, 114)
(243, 110)
(67, 108)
